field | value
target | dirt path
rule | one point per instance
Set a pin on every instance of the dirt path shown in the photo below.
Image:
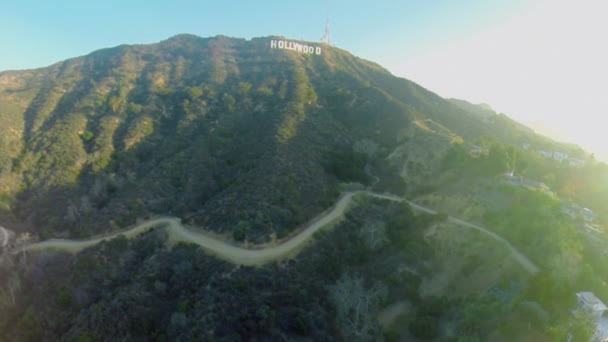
(523, 260)
(519, 256)
(244, 256)
(221, 249)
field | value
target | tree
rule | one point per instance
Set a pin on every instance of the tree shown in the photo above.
(116, 103)
(244, 88)
(229, 102)
(85, 204)
(72, 214)
(21, 242)
(99, 189)
(568, 189)
(582, 325)
(498, 159)
(442, 216)
(87, 136)
(366, 147)
(480, 316)
(8, 293)
(194, 92)
(511, 153)
(455, 157)
(550, 180)
(566, 266)
(356, 307)
(468, 339)
(424, 327)
(565, 262)
(533, 313)
(373, 234)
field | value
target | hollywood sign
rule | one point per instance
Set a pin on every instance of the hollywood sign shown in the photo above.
(287, 45)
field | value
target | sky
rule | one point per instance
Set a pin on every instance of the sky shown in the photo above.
(540, 62)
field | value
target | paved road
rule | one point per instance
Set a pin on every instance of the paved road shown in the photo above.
(244, 256)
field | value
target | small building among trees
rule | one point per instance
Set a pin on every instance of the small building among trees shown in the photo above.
(593, 306)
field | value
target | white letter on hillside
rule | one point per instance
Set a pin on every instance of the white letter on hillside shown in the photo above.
(273, 44)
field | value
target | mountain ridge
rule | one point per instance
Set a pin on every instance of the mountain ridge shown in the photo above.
(106, 84)
(260, 148)
(224, 130)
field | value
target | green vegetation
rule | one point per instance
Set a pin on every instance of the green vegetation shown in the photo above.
(157, 137)
(144, 289)
(584, 184)
(251, 143)
(87, 136)
(533, 221)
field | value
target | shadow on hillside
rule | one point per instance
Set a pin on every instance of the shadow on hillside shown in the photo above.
(211, 155)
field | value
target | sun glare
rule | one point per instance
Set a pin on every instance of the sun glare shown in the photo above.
(547, 65)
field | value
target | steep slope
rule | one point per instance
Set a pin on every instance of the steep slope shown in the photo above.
(225, 132)
(240, 139)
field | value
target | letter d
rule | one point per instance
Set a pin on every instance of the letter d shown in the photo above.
(318, 50)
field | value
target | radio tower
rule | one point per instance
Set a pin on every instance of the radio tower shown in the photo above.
(326, 39)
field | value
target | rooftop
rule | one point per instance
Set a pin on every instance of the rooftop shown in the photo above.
(601, 329)
(592, 301)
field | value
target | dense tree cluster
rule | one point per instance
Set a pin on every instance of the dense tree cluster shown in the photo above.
(583, 184)
(251, 147)
(142, 289)
(224, 132)
(252, 142)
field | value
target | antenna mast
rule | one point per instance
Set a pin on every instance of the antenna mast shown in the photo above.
(326, 39)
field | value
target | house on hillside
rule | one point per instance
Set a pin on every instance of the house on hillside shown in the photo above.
(557, 156)
(588, 215)
(476, 150)
(576, 212)
(576, 162)
(536, 185)
(589, 302)
(560, 156)
(512, 179)
(572, 210)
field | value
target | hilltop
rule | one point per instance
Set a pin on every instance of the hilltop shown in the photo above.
(225, 132)
(253, 146)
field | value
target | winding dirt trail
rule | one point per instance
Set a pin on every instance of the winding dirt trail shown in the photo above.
(521, 258)
(245, 256)
(219, 248)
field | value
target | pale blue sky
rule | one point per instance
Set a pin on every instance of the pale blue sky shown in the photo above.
(38, 33)
(539, 61)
